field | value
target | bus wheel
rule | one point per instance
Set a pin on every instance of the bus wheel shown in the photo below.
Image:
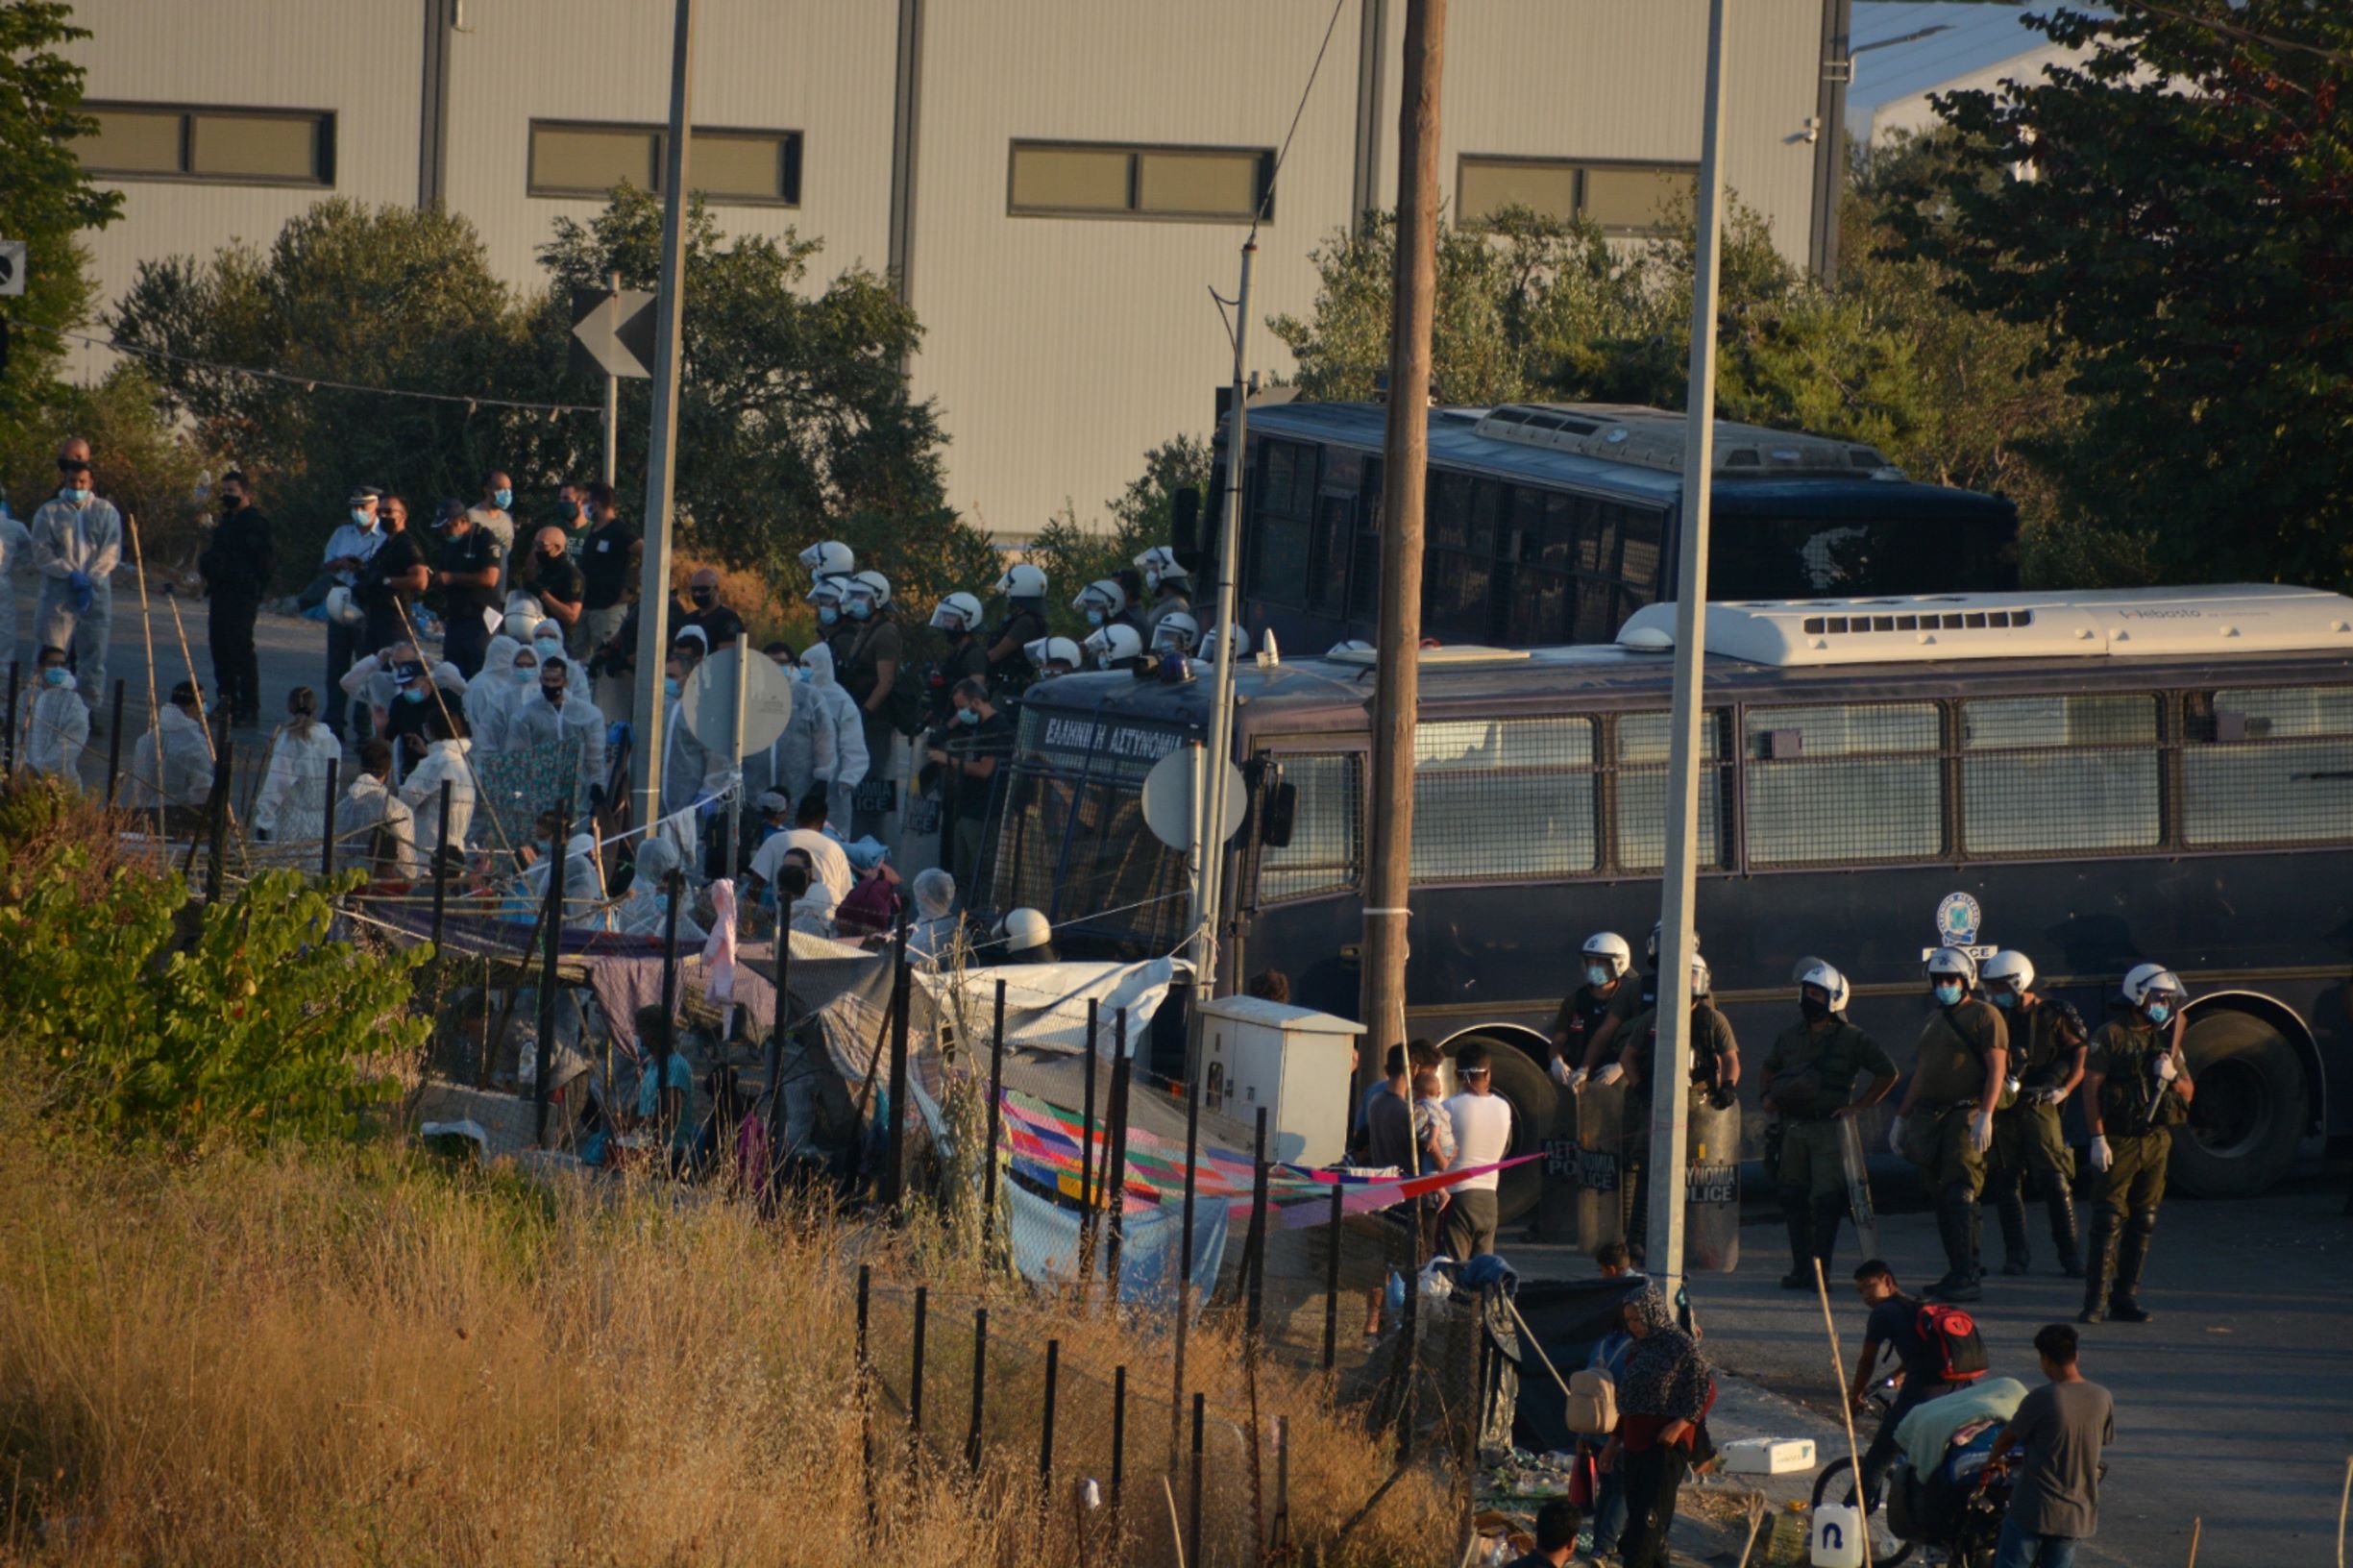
(1516, 1077)
(2250, 1109)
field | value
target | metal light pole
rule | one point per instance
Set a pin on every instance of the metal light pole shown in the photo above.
(1671, 1072)
(612, 404)
(662, 451)
(1210, 796)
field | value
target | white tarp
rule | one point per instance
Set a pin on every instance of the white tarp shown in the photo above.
(1045, 1004)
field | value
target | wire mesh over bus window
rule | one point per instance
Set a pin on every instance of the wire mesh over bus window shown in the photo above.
(2269, 765)
(1854, 782)
(2045, 773)
(1643, 748)
(1503, 800)
(1326, 849)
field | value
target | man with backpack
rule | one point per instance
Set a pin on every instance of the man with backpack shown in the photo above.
(1938, 1345)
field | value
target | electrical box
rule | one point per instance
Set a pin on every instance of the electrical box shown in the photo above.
(1292, 1060)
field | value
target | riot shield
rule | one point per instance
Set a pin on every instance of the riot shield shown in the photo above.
(1598, 1141)
(1711, 1188)
(1859, 1186)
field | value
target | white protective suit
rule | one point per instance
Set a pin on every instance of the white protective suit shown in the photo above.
(291, 804)
(370, 680)
(645, 912)
(684, 761)
(421, 794)
(15, 566)
(52, 729)
(86, 540)
(537, 721)
(824, 742)
(489, 695)
(933, 930)
(366, 806)
(184, 775)
(583, 888)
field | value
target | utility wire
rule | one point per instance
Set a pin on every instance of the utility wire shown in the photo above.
(1266, 201)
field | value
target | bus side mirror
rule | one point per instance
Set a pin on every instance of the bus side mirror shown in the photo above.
(1185, 526)
(1282, 810)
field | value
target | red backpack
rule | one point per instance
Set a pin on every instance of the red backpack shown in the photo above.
(870, 907)
(1954, 1343)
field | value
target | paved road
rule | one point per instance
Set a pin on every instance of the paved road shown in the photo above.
(2235, 1405)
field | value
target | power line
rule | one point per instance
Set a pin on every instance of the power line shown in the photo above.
(311, 383)
(1301, 109)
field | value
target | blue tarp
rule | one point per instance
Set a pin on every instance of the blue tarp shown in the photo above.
(1045, 1243)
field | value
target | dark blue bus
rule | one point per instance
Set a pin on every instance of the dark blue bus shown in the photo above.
(2095, 778)
(1551, 524)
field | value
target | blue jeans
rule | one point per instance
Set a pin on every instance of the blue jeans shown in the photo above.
(1608, 1511)
(2022, 1548)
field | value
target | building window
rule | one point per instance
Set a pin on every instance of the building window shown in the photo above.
(1622, 198)
(231, 146)
(747, 168)
(1093, 179)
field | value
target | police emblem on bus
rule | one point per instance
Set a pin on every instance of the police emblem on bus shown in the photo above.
(1958, 920)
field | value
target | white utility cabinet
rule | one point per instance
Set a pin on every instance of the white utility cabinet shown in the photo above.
(1291, 1060)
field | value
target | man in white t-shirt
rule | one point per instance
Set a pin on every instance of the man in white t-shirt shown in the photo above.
(828, 865)
(1482, 1137)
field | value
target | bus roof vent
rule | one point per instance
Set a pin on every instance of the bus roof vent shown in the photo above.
(1653, 438)
(1435, 657)
(2217, 621)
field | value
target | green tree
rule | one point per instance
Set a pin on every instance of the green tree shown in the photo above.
(2173, 218)
(148, 466)
(45, 199)
(1073, 554)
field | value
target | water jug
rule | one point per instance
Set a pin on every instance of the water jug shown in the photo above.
(1837, 1536)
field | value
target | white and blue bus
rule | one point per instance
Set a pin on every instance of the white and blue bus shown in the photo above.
(2095, 778)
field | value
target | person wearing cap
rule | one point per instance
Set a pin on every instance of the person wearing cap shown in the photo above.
(470, 572)
(775, 811)
(179, 776)
(349, 548)
(77, 544)
(491, 513)
(398, 687)
(550, 575)
(237, 563)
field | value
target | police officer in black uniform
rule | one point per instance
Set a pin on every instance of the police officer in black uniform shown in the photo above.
(1715, 1077)
(2030, 1157)
(2137, 1090)
(1809, 1077)
(1584, 1025)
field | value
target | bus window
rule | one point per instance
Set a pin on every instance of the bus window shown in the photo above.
(2269, 765)
(1642, 753)
(1328, 555)
(1326, 831)
(2046, 773)
(1458, 566)
(1761, 557)
(1857, 782)
(1279, 526)
(1503, 800)
(1541, 546)
(1365, 565)
(1638, 564)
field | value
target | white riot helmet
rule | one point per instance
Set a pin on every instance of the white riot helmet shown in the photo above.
(341, 611)
(957, 612)
(1952, 963)
(1824, 978)
(1659, 930)
(1160, 564)
(1209, 644)
(1023, 930)
(2011, 967)
(1177, 632)
(1104, 597)
(829, 558)
(2149, 982)
(1048, 651)
(1357, 645)
(1116, 644)
(1611, 949)
(872, 584)
(1023, 581)
(828, 591)
(1700, 978)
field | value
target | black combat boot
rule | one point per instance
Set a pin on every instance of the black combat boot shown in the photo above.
(1957, 1221)
(2100, 1265)
(2062, 1238)
(1828, 1212)
(2011, 1206)
(2132, 1258)
(1801, 1275)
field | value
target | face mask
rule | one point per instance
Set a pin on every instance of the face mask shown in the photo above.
(2004, 999)
(1102, 661)
(669, 687)
(362, 518)
(54, 676)
(1151, 580)
(1947, 993)
(504, 499)
(967, 716)
(2160, 1012)
(549, 648)
(414, 694)
(541, 846)
(803, 674)
(553, 693)
(827, 615)
(1812, 1009)
(567, 509)
(78, 495)
(1596, 975)
(1095, 617)
(230, 503)
(702, 596)
(860, 609)
(523, 672)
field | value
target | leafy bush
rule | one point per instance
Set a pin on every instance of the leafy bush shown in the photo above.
(151, 1019)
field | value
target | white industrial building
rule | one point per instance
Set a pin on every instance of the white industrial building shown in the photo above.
(1906, 52)
(1056, 184)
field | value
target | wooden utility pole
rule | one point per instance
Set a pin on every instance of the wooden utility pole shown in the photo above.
(1403, 480)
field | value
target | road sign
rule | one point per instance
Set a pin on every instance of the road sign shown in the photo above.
(709, 703)
(11, 267)
(1168, 799)
(612, 331)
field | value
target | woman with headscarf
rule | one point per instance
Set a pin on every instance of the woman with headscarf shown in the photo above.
(1663, 1393)
(291, 807)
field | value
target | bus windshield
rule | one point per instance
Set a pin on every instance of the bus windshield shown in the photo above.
(1073, 842)
(1809, 557)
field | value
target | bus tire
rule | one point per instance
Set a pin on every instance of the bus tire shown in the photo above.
(1516, 1077)
(2249, 1112)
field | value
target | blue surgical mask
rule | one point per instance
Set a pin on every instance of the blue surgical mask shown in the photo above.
(1151, 580)
(827, 615)
(669, 687)
(1596, 975)
(504, 499)
(80, 496)
(2160, 1012)
(860, 609)
(803, 674)
(967, 716)
(1095, 617)
(414, 694)
(362, 518)
(54, 676)
(525, 672)
(2004, 999)
(1947, 993)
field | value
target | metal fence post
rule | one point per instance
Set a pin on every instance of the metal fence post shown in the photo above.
(1185, 1267)
(1118, 1453)
(326, 834)
(773, 1175)
(1254, 1259)
(1193, 1524)
(1114, 1185)
(915, 1384)
(980, 1387)
(675, 887)
(1332, 1282)
(224, 776)
(547, 970)
(1045, 1430)
(865, 1392)
(1086, 1160)
(996, 1116)
(15, 675)
(115, 743)
(895, 1178)
(441, 870)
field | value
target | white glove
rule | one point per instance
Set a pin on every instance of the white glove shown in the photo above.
(2166, 1072)
(1576, 1080)
(1609, 1074)
(1895, 1136)
(1981, 1130)
(1561, 1074)
(2101, 1156)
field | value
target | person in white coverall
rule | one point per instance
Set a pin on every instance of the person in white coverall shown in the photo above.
(77, 544)
(445, 758)
(53, 727)
(16, 562)
(509, 668)
(182, 775)
(646, 911)
(558, 709)
(290, 808)
(826, 749)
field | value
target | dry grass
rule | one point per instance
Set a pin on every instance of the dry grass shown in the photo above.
(321, 1359)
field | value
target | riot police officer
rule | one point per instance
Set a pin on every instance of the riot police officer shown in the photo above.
(1959, 1073)
(2136, 1091)
(2030, 1157)
(1809, 1075)
(1715, 1078)
(1585, 1024)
